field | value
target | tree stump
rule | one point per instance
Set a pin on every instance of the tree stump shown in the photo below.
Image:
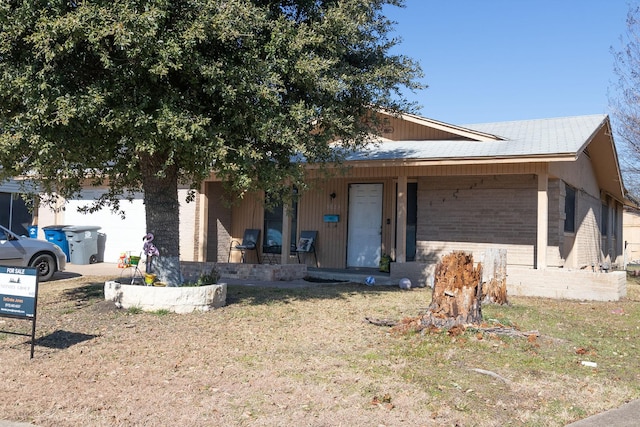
(457, 292)
(494, 277)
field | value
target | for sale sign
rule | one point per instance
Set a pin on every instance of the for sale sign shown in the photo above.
(18, 289)
(19, 296)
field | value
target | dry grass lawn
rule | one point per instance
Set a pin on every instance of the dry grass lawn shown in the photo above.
(307, 357)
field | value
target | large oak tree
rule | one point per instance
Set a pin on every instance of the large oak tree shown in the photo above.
(145, 95)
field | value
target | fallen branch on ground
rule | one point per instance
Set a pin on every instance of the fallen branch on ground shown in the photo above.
(501, 330)
(498, 330)
(492, 374)
(381, 322)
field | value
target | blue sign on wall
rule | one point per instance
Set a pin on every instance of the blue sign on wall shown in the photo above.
(331, 218)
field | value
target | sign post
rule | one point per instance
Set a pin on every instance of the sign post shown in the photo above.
(19, 295)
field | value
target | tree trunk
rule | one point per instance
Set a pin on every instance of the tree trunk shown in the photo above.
(494, 277)
(456, 293)
(163, 215)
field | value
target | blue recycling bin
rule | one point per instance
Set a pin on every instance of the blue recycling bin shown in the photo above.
(33, 231)
(55, 235)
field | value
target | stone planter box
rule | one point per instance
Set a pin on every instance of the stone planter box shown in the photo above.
(175, 299)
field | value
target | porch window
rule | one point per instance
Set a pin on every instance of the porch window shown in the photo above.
(569, 209)
(273, 225)
(412, 219)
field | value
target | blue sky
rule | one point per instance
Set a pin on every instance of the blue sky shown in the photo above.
(500, 60)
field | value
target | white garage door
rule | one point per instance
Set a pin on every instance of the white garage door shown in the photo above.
(121, 235)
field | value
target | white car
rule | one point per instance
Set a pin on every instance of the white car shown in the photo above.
(21, 251)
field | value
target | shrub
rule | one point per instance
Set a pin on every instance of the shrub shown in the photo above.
(210, 277)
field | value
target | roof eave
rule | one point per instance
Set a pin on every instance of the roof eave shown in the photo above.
(568, 157)
(444, 161)
(619, 191)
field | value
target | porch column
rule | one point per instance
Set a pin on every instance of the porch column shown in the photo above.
(202, 224)
(401, 220)
(543, 221)
(286, 233)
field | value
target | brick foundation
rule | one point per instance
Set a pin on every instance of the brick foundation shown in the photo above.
(257, 272)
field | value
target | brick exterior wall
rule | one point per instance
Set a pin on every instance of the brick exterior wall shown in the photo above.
(613, 242)
(588, 237)
(556, 213)
(479, 212)
(555, 244)
(475, 213)
(219, 224)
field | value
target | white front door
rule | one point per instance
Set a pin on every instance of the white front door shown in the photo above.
(365, 225)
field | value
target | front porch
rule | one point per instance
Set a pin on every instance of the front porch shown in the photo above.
(285, 272)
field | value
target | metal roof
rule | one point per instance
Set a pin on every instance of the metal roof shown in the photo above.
(548, 138)
(9, 186)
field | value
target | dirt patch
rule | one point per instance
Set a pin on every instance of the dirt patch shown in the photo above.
(307, 356)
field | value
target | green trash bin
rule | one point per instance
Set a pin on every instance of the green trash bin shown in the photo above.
(83, 243)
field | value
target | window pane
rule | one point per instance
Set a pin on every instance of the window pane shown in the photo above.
(604, 225)
(570, 210)
(273, 225)
(412, 219)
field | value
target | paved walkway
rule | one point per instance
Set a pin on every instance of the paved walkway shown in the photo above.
(626, 416)
(99, 269)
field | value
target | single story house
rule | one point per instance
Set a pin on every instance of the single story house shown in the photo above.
(547, 191)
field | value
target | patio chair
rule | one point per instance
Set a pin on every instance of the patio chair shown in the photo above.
(271, 253)
(249, 243)
(307, 245)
